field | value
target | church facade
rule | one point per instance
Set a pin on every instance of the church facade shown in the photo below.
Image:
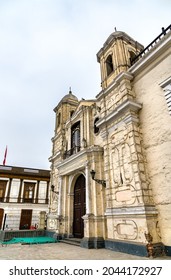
(111, 156)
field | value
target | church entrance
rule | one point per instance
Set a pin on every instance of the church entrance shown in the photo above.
(79, 207)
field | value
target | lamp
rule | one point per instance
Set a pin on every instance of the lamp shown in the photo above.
(53, 189)
(102, 182)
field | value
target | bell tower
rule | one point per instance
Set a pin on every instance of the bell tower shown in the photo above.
(63, 112)
(128, 189)
(115, 56)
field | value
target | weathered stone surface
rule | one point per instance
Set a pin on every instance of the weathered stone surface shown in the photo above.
(125, 137)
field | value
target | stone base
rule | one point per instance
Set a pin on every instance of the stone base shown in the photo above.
(168, 250)
(133, 248)
(158, 250)
(92, 242)
(54, 234)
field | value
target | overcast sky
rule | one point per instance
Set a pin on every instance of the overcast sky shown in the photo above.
(47, 46)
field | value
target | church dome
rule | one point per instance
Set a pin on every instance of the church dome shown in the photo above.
(118, 35)
(69, 96)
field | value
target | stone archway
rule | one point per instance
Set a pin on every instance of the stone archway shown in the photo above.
(79, 208)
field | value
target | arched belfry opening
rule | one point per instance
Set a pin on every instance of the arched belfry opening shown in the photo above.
(79, 208)
(109, 65)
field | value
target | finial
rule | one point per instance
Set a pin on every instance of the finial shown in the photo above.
(70, 91)
(115, 29)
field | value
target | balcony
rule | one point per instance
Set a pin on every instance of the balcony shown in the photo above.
(71, 152)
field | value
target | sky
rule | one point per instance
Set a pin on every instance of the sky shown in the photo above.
(48, 46)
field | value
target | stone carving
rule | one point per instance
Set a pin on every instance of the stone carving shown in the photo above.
(116, 166)
(125, 195)
(126, 162)
(126, 229)
(52, 223)
(54, 207)
(121, 164)
(54, 196)
(110, 105)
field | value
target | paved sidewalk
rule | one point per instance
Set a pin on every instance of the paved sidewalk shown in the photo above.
(62, 251)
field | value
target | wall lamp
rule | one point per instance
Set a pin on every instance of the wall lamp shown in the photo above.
(53, 189)
(102, 182)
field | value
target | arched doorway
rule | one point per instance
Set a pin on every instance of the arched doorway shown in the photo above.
(1, 217)
(79, 207)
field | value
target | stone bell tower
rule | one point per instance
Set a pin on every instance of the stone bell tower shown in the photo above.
(115, 56)
(130, 211)
(63, 112)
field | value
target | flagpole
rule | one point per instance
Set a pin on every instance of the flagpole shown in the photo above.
(5, 156)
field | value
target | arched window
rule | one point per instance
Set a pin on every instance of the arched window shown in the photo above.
(132, 55)
(71, 113)
(109, 65)
(96, 129)
(58, 119)
(75, 138)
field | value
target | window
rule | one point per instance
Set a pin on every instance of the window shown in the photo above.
(75, 138)
(71, 113)
(75, 141)
(28, 192)
(132, 55)
(166, 85)
(109, 65)
(2, 190)
(96, 129)
(167, 93)
(58, 119)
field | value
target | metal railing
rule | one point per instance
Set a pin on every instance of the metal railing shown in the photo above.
(71, 152)
(24, 200)
(151, 45)
(6, 235)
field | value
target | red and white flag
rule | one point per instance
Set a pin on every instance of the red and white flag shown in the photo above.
(5, 155)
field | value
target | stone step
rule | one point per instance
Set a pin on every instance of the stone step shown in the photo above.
(72, 241)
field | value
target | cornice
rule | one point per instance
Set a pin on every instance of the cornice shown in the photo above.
(77, 158)
(150, 56)
(148, 210)
(120, 110)
(122, 76)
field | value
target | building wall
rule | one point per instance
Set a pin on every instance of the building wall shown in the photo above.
(155, 124)
(14, 200)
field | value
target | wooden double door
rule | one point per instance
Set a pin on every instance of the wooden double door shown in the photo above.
(79, 207)
(26, 217)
